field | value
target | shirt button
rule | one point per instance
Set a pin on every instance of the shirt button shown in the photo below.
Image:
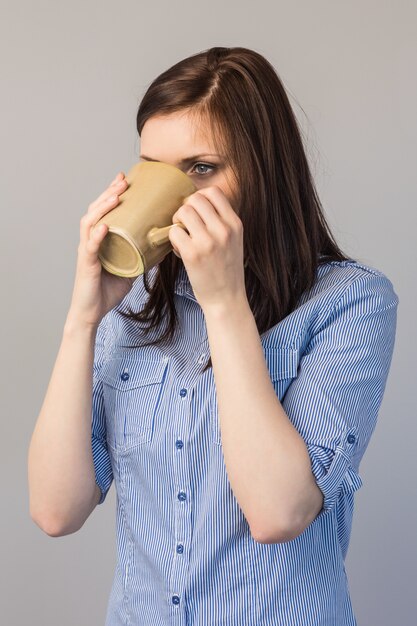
(182, 496)
(179, 443)
(124, 376)
(351, 438)
(201, 359)
(183, 393)
(180, 548)
(175, 600)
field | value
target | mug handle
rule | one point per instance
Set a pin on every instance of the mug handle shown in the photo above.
(158, 236)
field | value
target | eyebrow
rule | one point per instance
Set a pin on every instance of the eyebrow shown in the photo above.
(185, 161)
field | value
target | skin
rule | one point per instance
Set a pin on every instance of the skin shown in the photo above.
(266, 459)
(172, 138)
(212, 250)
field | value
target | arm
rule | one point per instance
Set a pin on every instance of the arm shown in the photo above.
(281, 459)
(267, 461)
(62, 487)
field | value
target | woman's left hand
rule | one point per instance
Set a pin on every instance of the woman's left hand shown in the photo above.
(212, 250)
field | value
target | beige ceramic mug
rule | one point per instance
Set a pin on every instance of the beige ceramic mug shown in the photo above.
(137, 238)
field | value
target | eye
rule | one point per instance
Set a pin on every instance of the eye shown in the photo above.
(203, 165)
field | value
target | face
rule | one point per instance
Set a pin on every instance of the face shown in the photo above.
(175, 139)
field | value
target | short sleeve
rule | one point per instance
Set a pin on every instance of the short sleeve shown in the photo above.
(102, 463)
(335, 398)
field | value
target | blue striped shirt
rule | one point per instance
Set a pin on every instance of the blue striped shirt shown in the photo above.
(185, 553)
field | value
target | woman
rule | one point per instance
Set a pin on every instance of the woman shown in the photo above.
(234, 388)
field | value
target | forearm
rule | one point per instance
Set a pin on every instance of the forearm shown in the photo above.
(60, 464)
(266, 459)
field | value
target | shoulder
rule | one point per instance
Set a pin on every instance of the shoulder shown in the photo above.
(339, 282)
(344, 284)
(342, 289)
(351, 301)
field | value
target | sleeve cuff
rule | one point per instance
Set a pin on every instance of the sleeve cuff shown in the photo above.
(333, 470)
(102, 466)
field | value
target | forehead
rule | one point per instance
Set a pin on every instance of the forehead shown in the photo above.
(175, 136)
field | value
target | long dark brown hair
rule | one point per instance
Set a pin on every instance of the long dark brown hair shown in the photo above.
(237, 95)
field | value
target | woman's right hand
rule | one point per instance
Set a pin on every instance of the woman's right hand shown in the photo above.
(96, 291)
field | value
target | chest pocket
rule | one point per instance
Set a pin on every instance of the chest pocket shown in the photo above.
(282, 364)
(132, 391)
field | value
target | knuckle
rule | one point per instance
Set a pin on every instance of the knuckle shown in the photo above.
(210, 246)
(226, 233)
(193, 258)
(185, 209)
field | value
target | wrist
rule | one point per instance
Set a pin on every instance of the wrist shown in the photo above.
(233, 310)
(74, 325)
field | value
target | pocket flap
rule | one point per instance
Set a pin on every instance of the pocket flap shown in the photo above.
(281, 362)
(127, 373)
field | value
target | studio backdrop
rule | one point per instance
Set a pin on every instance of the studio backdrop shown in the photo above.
(72, 78)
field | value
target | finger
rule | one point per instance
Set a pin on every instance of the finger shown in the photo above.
(90, 219)
(119, 185)
(178, 240)
(220, 202)
(119, 176)
(175, 249)
(97, 235)
(205, 210)
(191, 219)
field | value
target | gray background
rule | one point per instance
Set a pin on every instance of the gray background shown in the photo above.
(72, 77)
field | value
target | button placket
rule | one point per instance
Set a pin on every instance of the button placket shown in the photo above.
(181, 485)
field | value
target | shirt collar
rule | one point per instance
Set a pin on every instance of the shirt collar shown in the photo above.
(182, 285)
